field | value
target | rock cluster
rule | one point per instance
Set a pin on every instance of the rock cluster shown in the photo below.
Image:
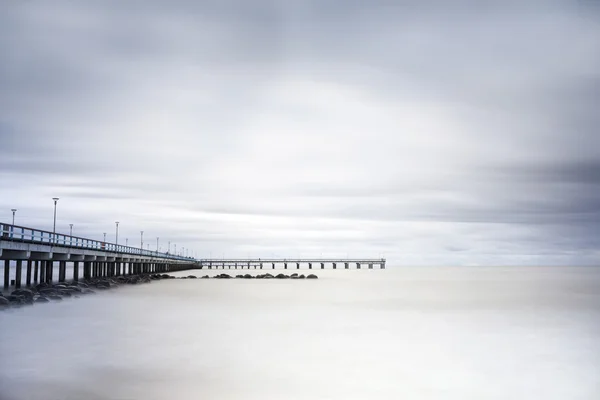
(45, 292)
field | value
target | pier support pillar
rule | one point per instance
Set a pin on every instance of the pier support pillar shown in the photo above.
(284, 265)
(50, 274)
(18, 274)
(76, 271)
(297, 265)
(370, 266)
(273, 265)
(28, 276)
(334, 265)
(357, 265)
(36, 268)
(345, 265)
(322, 265)
(43, 269)
(62, 271)
(6, 273)
(309, 265)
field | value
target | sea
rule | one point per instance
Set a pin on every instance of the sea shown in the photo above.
(400, 333)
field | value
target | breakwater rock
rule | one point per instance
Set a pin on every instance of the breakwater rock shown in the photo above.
(45, 292)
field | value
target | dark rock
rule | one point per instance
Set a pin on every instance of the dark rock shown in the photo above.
(223, 276)
(4, 301)
(165, 276)
(312, 276)
(56, 298)
(191, 276)
(88, 291)
(281, 276)
(248, 276)
(23, 293)
(205, 277)
(294, 275)
(239, 276)
(301, 276)
(42, 299)
(65, 293)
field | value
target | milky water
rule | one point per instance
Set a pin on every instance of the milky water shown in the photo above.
(400, 333)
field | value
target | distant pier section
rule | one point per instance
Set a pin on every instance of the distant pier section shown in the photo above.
(291, 263)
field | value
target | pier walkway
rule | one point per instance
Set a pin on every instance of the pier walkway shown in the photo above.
(41, 250)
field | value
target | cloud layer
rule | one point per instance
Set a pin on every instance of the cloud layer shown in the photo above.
(425, 132)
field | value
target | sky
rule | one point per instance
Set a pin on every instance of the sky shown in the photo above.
(426, 132)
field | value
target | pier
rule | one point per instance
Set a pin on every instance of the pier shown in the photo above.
(42, 254)
(291, 263)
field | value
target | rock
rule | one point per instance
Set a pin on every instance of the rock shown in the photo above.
(205, 277)
(223, 276)
(56, 298)
(88, 291)
(301, 276)
(65, 293)
(239, 276)
(165, 276)
(4, 301)
(191, 276)
(23, 293)
(312, 276)
(42, 299)
(294, 275)
(281, 276)
(248, 276)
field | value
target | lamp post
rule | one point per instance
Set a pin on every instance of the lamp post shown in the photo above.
(14, 210)
(126, 242)
(54, 225)
(169, 249)
(157, 244)
(142, 240)
(117, 232)
(104, 237)
(70, 229)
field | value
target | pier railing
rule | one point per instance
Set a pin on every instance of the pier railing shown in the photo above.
(15, 233)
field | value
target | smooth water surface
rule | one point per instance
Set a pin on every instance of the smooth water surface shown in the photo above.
(401, 333)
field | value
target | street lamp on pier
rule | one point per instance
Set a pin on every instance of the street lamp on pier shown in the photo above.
(70, 229)
(104, 237)
(117, 232)
(54, 225)
(157, 244)
(142, 240)
(14, 210)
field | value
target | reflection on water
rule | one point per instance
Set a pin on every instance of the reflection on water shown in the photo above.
(405, 333)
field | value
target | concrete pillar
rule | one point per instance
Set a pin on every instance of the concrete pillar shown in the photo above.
(36, 268)
(75, 271)
(43, 270)
(28, 276)
(18, 273)
(297, 265)
(273, 265)
(370, 265)
(357, 265)
(322, 265)
(334, 266)
(50, 274)
(309, 265)
(62, 271)
(6, 273)
(284, 265)
(382, 266)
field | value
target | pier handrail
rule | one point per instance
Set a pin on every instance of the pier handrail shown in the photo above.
(16, 233)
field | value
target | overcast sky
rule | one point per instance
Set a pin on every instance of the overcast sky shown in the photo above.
(428, 132)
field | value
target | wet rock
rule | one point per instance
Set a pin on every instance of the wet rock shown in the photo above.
(42, 299)
(88, 291)
(312, 276)
(223, 276)
(23, 293)
(301, 276)
(191, 276)
(239, 276)
(248, 276)
(55, 298)
(205, 277)
(4, 301)
(282, 276)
